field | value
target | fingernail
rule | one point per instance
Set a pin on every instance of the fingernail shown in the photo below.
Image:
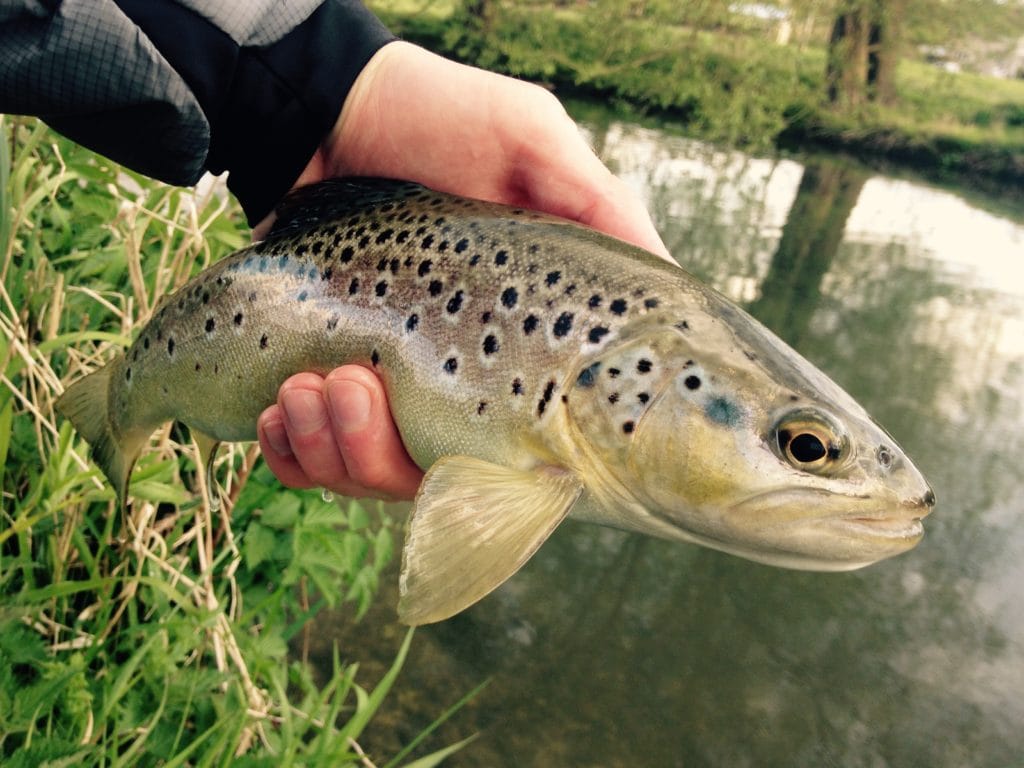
(350, 405)
(304, 410)
(274, 432)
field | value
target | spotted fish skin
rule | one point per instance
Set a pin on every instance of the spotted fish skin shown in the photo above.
(535, 368)
(474, 315)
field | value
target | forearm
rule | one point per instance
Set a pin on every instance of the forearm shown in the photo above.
(173, 89)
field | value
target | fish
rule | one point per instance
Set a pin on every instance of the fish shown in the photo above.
(536, 370)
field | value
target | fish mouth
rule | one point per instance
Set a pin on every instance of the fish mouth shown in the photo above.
(885, 526)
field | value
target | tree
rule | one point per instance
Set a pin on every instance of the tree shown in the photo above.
(863, 51)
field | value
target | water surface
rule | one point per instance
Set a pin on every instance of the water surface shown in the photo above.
(611, 649)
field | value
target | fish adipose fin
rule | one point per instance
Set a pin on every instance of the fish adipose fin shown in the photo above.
(473, 525)
(86, 404)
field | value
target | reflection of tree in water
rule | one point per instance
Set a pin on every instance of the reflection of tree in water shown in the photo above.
(616, 650)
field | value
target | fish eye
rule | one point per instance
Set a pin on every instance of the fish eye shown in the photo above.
(808, 442)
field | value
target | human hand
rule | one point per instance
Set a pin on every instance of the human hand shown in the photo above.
(417, 116)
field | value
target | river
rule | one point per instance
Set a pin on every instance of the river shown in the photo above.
(610, 649)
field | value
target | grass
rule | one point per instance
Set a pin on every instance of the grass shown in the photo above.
(732, 85)
(173, 634)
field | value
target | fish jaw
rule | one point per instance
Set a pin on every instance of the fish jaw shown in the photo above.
(814, 529)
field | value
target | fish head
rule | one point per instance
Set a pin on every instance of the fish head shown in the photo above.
(720, 434)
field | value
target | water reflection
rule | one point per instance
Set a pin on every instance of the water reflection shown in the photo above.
(616, 650)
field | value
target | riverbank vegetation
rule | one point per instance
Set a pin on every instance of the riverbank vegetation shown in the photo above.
(758, 75)
(174, 633)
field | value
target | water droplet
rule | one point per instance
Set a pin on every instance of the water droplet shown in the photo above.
(326, 495)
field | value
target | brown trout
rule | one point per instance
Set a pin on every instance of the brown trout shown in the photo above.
(535, 369)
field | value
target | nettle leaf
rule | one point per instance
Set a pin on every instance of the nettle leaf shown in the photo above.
(323, 514)
(282, 511)
(258, 545)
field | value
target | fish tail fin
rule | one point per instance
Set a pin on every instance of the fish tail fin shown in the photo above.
(86, 404)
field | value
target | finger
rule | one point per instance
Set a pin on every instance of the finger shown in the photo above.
(311, 437)
(277, 451)
(365, 431)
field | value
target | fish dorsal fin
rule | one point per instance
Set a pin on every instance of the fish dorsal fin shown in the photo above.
(473, 525)
(327, 200)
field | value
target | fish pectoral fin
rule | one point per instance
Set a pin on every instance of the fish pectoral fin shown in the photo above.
(473, 525)
(207, 448)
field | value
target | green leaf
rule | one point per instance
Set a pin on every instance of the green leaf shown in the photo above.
(258, 544)
(435, 759)
(282, 511)
(357, 516)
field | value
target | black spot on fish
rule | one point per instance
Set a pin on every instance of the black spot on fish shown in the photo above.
(346, 254)
(683, 326)
(500, 258)
(411, 322)
(462, 245)
(794, 398)
(485, 317)
(552, 278)
(206, 297)
(145, 342)
(474, 260)
(692, 382)
(316, 247)
(170, 346)
(597, 333)
(382, 264)
(442, 246)
(530, 324)
(644, 365)
(618, 307)
(424, 267)
(643, 397)
(749, 355)
(588, 375)
(541, 405)
(364, 241)
(481, 407)
(198, 366)
(385, 235)
(374, 357)
(628, 426)
(614, 372)
(454, 303)
(435, 287)
(353, 287)
(135, 355)
(393, 265)
(549, 390)
(327, 273)
(128, 374)
(517, 386)
(509, 297)
(210, 323)
(301, 249)
(451, 365)
(381, 288)
(264, 341)
(216, 368)
(563, 324)
(613, 398)
(303, 295)
(332, 322)
(427, 242)
(403, 235)
(252, 296)
(534, 248)
(491, 344)
(650, 303)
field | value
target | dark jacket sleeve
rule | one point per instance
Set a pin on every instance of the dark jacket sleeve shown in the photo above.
(172, 89)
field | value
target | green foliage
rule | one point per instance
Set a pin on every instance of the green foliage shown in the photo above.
(724, 77)
(168, 635)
